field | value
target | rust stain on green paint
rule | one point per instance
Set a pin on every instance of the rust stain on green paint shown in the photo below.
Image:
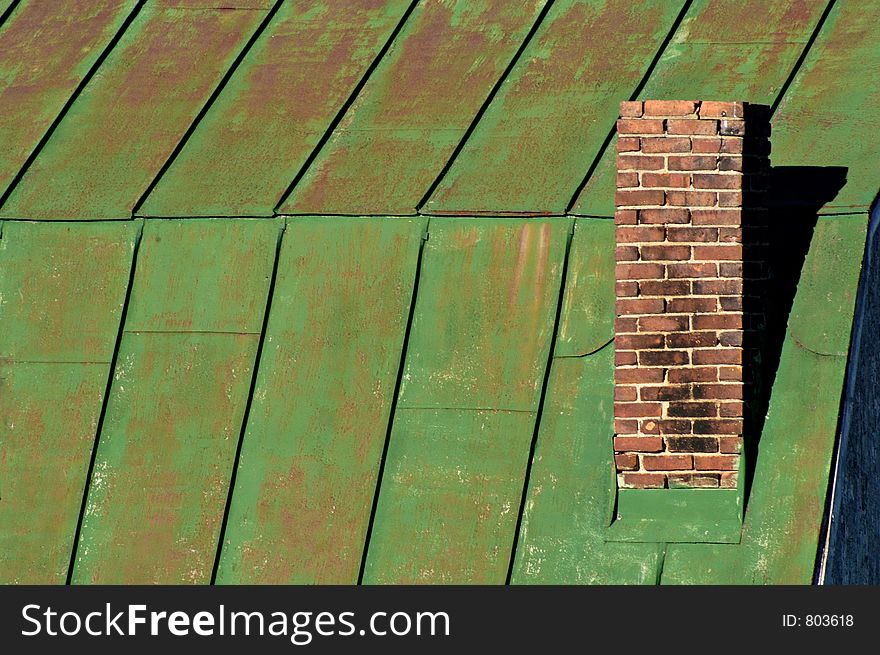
(176, 405)
(261, 129)
(531, 149)
(127, 121)
(407, 120)
(61, 295)
(48, 48)
(317, 428)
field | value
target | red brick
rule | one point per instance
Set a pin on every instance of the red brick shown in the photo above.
(691, 270)
(730, 235)
(693, 234)
(719, 426)
(713, 109)
(677, 180)
(663, 215)
(625, 426)
(731, 303)
(691, 198)
(731, 409)
(664, 288)
(626, 461)
(732, 391)
(715, 462)
(689, 444)
(717, 217)
(663, 323)
(728, 127)
(639, 126)
(639, 271)
(717, 180)
(705, 145)
(730, 199)
(730, 270)
(625, 358)
(728, 480)
(730, 164)
(730, 373)
(636, 410)
(730, 445)
(670, 107)
(649, 426)
(639, 197)
(691, 126)
(692, 409)
(730, 338)
(625, 180)
(663, 358)
(731, 252)
(717, 287)
(631, 108)
(701, 374)
(691, 305)
(663, 393)
(639, 341)
(638, 375)
(626, 253)
(635, 162)
(692, 340)
(667, 462)
(625, 324)
(674, 253)
(638, 444)
(625, 394)
(675, 426)
(640, 234)
(631, 306)
(693, 480)
(644, 480)
(732, 145)
(718, 356)
(718, 322)
(626, 289)
(629, 144)
(693, 163)
(662, 144)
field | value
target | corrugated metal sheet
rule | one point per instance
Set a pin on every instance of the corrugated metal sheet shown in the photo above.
(380, 418)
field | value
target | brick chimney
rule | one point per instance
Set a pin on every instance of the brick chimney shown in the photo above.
(679, 389)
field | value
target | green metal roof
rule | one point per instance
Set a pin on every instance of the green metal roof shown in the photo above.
(320, 292)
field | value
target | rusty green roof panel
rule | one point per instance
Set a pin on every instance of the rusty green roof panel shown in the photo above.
(48, 50)
(173, 419)
(276, 107)
(61, 297)
(127, 121)
(532, 147)
(311, 453)
(484, 317)
(469, 394)
(417, 105)
(784, 512)
(830, 115)
(721, 50)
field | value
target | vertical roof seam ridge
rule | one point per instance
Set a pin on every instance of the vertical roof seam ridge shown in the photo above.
(4, 196)
(486, 103)
(685, 8)
(208, 104)
(343, 109)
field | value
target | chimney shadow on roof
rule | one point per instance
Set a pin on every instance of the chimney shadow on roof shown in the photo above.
(780, 210)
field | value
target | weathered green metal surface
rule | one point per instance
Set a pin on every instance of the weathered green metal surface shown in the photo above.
(48, 48)
(787, 501)
(416, 107)
(61, 296)
(259, 132)
(571, 493)
(721, 50)
(175, 410)
(317, 427)
(536, 141)
(475, 362)
(832, 109)
(120, 131)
